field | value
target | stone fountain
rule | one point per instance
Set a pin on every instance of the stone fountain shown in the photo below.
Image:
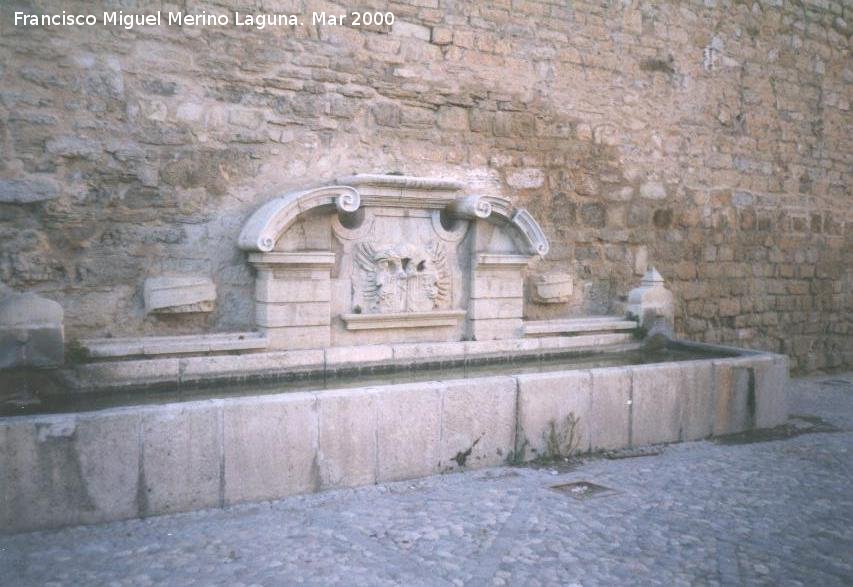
(370, 274)
(379, 258)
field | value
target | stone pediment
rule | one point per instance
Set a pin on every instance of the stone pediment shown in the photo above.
(349, 194)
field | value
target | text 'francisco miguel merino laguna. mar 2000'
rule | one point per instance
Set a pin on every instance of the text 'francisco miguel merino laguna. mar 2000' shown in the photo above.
(130, 21)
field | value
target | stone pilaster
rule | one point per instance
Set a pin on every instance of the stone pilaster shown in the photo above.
(293, 298)
(497, 296)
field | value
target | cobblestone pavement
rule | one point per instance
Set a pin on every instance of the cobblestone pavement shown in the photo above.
(754, 510)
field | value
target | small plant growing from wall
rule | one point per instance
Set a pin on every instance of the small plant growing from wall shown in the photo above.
(561, 442)
(640, 332)
(75, 352)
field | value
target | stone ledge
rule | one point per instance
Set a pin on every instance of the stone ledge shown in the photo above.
(576, 325)
(158, 371)
(299, 259)
(502, 261)
(401, 181)
(174, 345)
(403, 320)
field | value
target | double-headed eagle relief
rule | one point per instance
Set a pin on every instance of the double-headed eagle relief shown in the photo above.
(404, 277)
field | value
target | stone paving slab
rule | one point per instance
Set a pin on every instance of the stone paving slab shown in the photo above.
(755, 510)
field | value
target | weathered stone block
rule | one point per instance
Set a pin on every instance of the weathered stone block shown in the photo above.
(497, 284)
(497, 328)
(496, 308)
(527, 178)
(656, 407)
(270, 447)
(65, 470)
(452, 118)
(367, 355)
(441, 36)
(272, 363)
(553, 414)
(551, 288)
(771, 398)
(386, 114)
(27, 191)
(698, 401)
(293, 314)
(123, 373)
(409, 431)
(426, 351)
(610, 412)
(478, 422)
(559, 343)
(281, 290)
(408, 29)
(31, 331)
(734, 397)
(409, 320)
(299, 337)
(181, 447)
(653, 190)
(175, 295)
(500, 347)
(348, 425)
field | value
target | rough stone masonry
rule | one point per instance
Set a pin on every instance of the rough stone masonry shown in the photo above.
(711, 139)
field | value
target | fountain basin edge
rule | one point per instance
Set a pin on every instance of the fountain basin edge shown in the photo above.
(137, 461)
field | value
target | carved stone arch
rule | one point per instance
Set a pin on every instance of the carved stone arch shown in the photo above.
(520, 219)
(263, 229)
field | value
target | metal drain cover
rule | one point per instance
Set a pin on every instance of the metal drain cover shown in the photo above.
(583, 489)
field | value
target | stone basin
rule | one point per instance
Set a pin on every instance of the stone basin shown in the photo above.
(97, 454)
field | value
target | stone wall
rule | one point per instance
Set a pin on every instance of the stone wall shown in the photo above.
(711, 139)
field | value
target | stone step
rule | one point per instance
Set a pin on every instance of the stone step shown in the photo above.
(102, 348)
(572, 326)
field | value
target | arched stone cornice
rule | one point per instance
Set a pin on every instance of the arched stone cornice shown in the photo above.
(263, 229)
(520, 219)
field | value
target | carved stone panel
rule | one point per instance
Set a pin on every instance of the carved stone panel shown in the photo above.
(400, 277)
